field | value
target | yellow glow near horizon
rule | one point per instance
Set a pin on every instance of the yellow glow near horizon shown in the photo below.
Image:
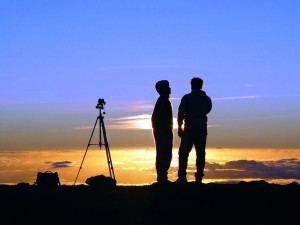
(139, 122)
(131, 167)
(145, 124)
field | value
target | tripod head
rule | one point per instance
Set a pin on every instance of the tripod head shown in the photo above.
(100, 104)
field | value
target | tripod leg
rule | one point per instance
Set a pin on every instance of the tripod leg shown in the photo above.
(109, 161)
(87, 147)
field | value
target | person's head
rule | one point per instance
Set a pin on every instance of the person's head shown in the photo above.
(162, 87)
(196, 83)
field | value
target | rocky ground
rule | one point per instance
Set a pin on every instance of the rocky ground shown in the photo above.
(244, 203)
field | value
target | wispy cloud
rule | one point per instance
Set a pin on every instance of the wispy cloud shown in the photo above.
(249, 85)
(137, 122)
(225, 98)
(259, 118)
(251, 169)
(138, 106)
(60, 164)
(236, 97)
(137, 117)
(9, 161)
(132, 106)
(142, 121)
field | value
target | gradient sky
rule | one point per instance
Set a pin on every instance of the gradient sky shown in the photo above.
(57, 57)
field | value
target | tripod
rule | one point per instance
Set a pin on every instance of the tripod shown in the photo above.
(102, 135)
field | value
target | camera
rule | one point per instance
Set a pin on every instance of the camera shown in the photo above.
(101, 103)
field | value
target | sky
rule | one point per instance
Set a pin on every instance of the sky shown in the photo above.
(58, 58)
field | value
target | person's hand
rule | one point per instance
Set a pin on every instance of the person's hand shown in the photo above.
(180, 132)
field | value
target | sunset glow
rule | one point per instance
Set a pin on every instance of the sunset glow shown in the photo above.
(134, 122)
(58, 58)
(137, 167)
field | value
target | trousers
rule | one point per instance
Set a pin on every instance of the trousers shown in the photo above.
(190, 138)
(164, 145)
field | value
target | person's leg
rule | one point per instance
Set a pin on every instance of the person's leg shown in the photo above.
(164, 145)
(199, 139)
(183, 153)
(167, 158)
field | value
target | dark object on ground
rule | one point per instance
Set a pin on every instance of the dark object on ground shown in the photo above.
(47, 179)
(101, 181)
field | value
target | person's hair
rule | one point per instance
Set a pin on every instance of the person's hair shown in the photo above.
(162, 86)
(196, 83)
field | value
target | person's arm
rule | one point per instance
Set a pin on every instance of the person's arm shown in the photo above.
(170, 113)
(154, 116)
(209, 105)
(181, 114)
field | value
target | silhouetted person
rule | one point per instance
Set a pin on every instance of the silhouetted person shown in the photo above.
(162, 124)
(192, 111)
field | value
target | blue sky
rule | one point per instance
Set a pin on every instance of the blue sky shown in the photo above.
(58, 57)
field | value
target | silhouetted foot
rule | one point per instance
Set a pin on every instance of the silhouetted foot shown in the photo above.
(164, 182)
(181, 180)
(198, 180)
(163, 179)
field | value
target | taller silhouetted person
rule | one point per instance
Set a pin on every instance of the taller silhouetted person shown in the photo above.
(162, 124)
(192, 112)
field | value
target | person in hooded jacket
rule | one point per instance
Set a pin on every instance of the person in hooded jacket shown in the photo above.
(192, 129)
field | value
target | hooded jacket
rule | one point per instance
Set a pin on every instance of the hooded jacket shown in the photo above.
(193, 110)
